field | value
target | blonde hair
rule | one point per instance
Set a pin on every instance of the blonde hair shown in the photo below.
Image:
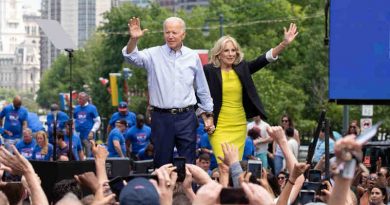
(218, 48)
(45, 146)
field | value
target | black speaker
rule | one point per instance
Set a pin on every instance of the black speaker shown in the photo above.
(143, 166)
(53, 172)
(117, 167)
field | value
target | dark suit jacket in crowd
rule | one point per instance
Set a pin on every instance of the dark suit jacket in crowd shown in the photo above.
(250, 99)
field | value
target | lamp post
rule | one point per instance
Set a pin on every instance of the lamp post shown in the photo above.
(220, 19)
(127, 73)
(206, 28)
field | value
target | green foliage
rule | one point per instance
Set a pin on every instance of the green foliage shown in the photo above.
(279, 97)
(296, 84)
(53, 82)
(28, 101)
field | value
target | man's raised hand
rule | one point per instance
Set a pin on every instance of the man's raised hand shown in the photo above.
(135, 30)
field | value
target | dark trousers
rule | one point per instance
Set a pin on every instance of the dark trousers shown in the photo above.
(170, 130)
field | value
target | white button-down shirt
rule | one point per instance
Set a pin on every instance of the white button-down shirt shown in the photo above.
(173, 77)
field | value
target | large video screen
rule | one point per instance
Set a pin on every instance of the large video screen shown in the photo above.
(359, 52)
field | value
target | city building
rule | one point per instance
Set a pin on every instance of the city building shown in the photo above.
(140, 3)
(79, 19)
(19, 47)
(186, 5)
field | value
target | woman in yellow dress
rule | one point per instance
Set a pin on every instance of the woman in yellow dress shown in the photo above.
(233, 91)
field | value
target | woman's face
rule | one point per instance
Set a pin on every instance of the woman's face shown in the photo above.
(215, 176)
(285, 122)
(364, 179)
(281, 179)
(352, 129)
(228, 55)
(40, 140)
(376, 196)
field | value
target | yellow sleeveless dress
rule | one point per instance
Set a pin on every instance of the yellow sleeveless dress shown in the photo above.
(231, 126)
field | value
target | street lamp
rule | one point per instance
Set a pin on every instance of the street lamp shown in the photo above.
(127, 73)
(206, 28)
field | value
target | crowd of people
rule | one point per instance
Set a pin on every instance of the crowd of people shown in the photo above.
(231, 183)
(198, 113)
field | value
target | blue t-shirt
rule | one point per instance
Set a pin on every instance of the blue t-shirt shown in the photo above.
(249, 148)
(14, 119)
(76, 145)
(84, 116)
(139, 138)
(36, 155)
(24, 149)
(129, 117)
(34, 123)
(142, 154)
(204, 142)
(62, 119)
(115, 134)
(62, 151)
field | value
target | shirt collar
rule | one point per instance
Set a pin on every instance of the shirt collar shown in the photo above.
(14, 108)
(87, 103)
(171, 51)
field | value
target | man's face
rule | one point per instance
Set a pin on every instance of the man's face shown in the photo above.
(59, 141)
(120, 126)
(82, 100)
(17, 103)
(372, 179)
(322, 134)
(140, 123)
(204, 164)
(27, 137)
(174, 34)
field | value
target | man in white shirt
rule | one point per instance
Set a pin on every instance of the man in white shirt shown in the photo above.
(175, 73)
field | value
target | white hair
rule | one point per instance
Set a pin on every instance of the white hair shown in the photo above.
(175, 19)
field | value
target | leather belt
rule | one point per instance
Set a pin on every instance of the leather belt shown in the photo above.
(173, 110)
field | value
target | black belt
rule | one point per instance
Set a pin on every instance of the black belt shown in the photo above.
(173, 110)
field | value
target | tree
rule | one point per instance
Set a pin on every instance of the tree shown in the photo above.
(297, 83)
(7, 96)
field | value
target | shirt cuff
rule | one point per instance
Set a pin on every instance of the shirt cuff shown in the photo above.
(124, 51)
(269, 56)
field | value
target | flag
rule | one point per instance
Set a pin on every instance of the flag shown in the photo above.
(116, 90)
(63, 104)
(64, 100)
(103, 81)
